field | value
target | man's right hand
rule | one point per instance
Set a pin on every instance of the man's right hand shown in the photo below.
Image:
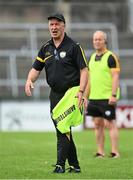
(28, 87)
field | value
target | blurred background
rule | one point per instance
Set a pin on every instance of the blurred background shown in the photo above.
(23, 30)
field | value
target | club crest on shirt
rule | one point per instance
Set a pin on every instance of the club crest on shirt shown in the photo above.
(62, 54)
(108, 113)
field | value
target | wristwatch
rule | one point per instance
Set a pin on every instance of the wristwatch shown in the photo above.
(81, 91)
(114, 95)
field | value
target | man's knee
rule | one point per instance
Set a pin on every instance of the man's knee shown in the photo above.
(111, 124)
(99, 124)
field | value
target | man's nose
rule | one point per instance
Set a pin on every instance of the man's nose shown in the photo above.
(54, 26)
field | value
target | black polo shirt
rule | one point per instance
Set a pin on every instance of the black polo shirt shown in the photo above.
(62, 64)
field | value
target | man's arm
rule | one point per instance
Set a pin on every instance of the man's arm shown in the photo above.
(87, 89)
(113, 63)
(87, 93)
(115, 81)
(115, 85)
(32, 77)
(83, 84)
(83, 78)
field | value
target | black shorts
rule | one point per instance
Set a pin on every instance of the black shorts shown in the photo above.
(101, 108)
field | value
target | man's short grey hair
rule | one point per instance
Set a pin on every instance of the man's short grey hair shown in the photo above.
(104, 34)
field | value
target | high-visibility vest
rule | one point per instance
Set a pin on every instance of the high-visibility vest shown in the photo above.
(67, 113)
(100, 77)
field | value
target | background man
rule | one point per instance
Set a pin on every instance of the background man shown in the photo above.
(102, 90)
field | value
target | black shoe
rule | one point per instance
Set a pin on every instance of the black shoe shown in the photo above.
(59, 169)
(98, 155)
(73, 169)
(114, 155)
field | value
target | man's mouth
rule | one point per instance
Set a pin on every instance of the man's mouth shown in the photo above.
(54, 32)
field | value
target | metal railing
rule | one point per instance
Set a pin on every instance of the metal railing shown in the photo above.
(15, 82)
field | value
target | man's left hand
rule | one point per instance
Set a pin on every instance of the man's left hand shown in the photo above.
(112, 100)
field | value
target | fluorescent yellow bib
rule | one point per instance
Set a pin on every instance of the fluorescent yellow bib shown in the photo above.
(100, 77)
(66, 113)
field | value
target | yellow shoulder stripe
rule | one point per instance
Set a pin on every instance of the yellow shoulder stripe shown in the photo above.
(117, 61)
(115, 69)
(40, 59)
(46, 44)
(47, 58)
(43, 60)
(83, 54)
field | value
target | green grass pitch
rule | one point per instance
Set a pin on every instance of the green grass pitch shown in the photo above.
(31, 155)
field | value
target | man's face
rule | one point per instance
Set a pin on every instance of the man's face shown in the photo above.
(99, 41)
(56, 28)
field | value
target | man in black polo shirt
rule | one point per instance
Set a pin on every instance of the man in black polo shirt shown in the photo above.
(65, 65)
